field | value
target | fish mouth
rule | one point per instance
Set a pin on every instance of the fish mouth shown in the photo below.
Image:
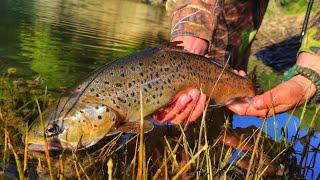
(38, 144)
(42, 147)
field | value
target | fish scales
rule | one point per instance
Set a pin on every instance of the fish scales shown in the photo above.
(110, 97)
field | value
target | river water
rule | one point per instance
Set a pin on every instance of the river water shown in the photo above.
(64, 40)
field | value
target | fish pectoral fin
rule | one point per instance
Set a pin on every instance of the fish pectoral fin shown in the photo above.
(134, 127)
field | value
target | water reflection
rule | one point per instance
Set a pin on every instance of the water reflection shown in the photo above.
(306, 144)
(63, 40)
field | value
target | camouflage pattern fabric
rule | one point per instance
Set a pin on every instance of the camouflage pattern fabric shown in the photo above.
(229, 26)
(311, 40)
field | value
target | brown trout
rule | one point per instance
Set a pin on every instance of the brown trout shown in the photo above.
(108, 101)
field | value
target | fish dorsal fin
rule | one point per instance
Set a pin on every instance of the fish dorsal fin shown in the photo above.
(173, 46)
(253, 77)
(134, 126)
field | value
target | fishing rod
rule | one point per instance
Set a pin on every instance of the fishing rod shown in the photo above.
(306, 20)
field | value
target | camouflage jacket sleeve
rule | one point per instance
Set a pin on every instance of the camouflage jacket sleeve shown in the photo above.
(311, 40)
(192, 18)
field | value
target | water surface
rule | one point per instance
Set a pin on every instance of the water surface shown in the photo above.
(64, 40)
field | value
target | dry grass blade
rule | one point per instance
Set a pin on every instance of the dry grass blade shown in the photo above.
(175, 162)
(255, 149)
(110, 168)
(61, 168)
(141, 158)
(47, 154)
(183, 168)
(25, 150)
(12, 148)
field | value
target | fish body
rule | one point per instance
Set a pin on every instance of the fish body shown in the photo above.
(108, 101)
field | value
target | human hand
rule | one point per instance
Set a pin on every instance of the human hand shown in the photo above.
(283, 97)
(193, 44)
(188, 104)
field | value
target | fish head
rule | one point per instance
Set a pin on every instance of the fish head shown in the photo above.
(81, 126)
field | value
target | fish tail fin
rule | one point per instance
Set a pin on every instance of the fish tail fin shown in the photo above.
(253, 76)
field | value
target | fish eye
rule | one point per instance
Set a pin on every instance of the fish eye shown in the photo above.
(52, 129)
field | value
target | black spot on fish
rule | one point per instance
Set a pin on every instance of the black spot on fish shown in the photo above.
(107, 110)
(153, 96)
(122, 74)
(106, 82)
(169, 81)
(141, 74)
(97, 81)
(97, 107)
(145, 89)
(95, 125)
(132, 94)
(133, 68)
(91, 89)
(166, 69)
(140, 64)
(97, 95)
(158, 102)
(127, 95)
(99, 117)
(103, 91)
(122, 67)
(129, 85)
(160, 94)
(148, 100)
(81, 111)
(149, 86)
(119, 85)
(121, 100)
(117, 106)
(161, 69)
(111, 73)
(129, 104)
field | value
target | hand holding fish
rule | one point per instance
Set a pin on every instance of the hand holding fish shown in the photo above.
(188, 104)
(282, 98)
(285, 96)
(193, 44)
